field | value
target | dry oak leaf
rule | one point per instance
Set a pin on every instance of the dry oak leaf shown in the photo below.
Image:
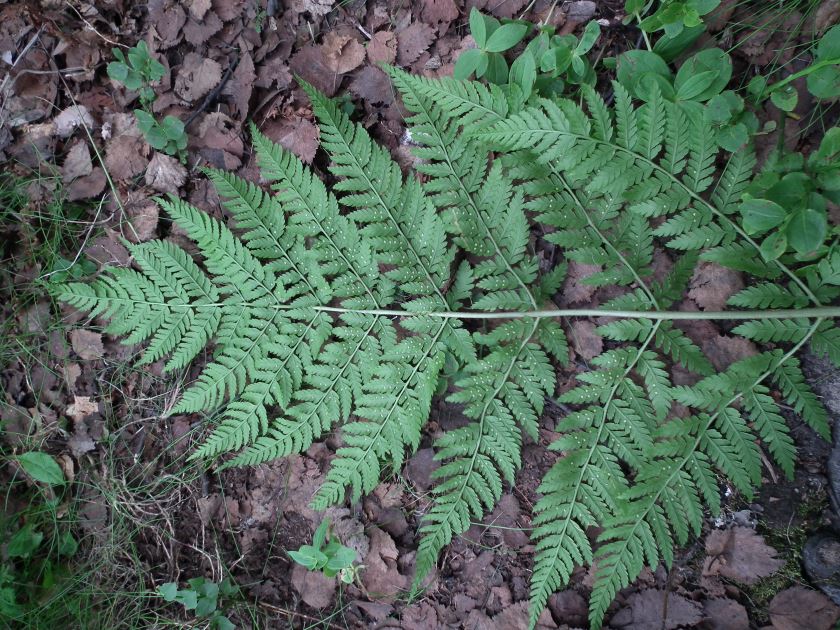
(87, 344)
(196, 77)
(655, 609)
(165, 173)
(342, 53)
(228, 9)
(800, 608)
(740, 554)
(575, 290)
(219, 141)
(382, 47)
(413, 41)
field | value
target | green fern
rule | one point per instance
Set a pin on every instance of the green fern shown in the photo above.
(350, 309)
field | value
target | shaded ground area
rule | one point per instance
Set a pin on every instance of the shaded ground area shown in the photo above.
(141, 513)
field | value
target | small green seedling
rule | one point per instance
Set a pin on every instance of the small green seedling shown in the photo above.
(202, 596)
(671, 16)
(331, 558)
(492, 38)
(167, 135)
(136, 70)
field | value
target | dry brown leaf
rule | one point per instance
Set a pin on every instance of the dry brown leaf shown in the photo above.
(413, 41)
(654, 609)
(168, 17)
(82, 407)
(315, 588)
(198, 8)
(382, 47)
(196, 77)
(726, 614)
(165, 173)
(381, 577)
(228, 9)
(71, 371)
(711, 285)
(574, 290)
(240, 86)
(587, 343)
(309, 63)
(315, 7)
(740, 554)
(125, 156)
(219, 141)
(77, 163)
(87, 344)
(342, 53)
(71, 119)
(826, 16)
(800, 608)
(88, 186)
(439, 13)
(374, 86)
(198, 31)
(142, 220)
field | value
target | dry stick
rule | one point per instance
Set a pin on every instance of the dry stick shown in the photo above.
(208, 100)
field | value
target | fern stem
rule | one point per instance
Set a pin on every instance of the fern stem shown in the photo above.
(824, 312)
(786, 313)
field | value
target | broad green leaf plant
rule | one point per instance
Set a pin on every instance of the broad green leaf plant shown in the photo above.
(351, 308)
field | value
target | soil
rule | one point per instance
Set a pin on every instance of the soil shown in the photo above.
(233, 61)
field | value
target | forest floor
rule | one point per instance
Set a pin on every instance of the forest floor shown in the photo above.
(139, 512)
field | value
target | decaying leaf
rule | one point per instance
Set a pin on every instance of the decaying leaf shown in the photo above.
(87, 344)
(196, 77)
(298, 135)
(413, 41)
(739, 553)
(342, 53)
(165, 173)
(314, 587)
(381, 577)
(71, 119)
(585, 340)
(800, 608)
(711, 285)
(82, 407)
(382, 48)
(655, 609)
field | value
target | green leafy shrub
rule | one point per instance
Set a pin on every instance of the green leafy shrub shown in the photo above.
(352, 308)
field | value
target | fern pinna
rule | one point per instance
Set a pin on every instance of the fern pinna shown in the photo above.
(350, 309)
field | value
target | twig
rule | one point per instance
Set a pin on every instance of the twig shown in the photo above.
(208, 100)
